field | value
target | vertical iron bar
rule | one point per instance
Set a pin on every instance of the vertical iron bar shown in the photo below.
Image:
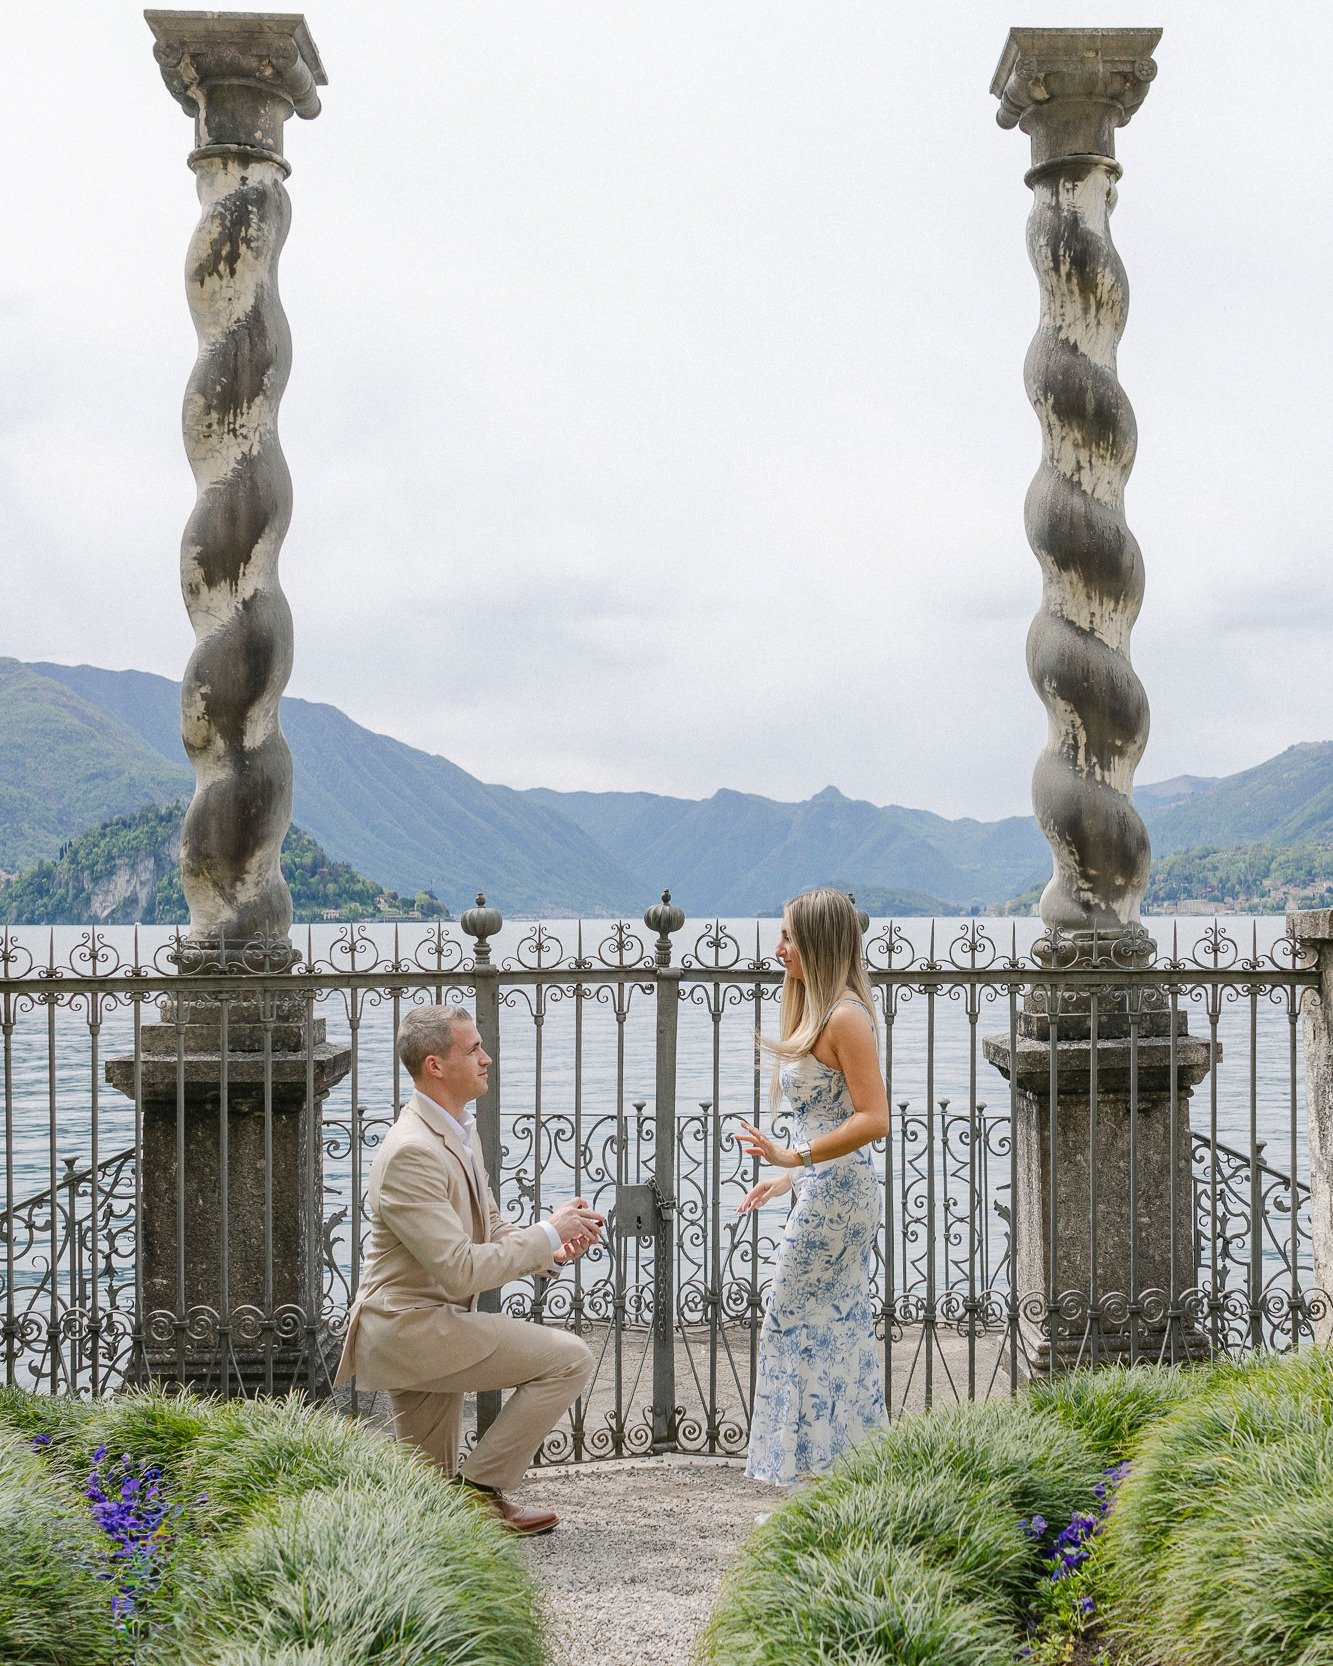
(486, 983)
(224, 1199)
(712, 1129)
(1015, 1294)
(53, 1320)
(1174, 1325)
(1053, 1162)
(1094, 1283)
(11, 1338)
(1135, 998)
(180, 1187)
(928, 1325)
(139, 1341)
(267, 1005)
(312, 1235)
(94, 1196)
(973, 1199)
(1293, 1168)
(1256, 1269)
(664, 1176)
(890, 1010)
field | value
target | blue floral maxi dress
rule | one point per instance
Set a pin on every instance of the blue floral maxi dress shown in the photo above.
(819, 1387)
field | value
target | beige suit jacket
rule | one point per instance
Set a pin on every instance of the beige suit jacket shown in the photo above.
(436, 1242)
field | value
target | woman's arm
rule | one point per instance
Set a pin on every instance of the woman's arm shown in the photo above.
(850, 1039)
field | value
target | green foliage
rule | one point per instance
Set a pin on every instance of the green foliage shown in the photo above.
(865, 1605)
(65, 765)
(1110, 1408)
(1255, 878)
(251, 1455)
(54, 1611)
(1220, 1551)
(127, 871)
(1238, 879)
(24, 1415)
(307, 1538)
(404, 1572)
(912, 1551)
(1036, 1465)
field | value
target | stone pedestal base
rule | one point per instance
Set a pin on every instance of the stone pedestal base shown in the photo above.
(1103, 1204)
(230, 1152)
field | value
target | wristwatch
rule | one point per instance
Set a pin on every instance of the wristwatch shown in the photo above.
(803, 1152)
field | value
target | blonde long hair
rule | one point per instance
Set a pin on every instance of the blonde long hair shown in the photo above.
(825, 929)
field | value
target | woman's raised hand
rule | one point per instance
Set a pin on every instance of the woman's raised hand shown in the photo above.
(776, 1185)
(761, 1145)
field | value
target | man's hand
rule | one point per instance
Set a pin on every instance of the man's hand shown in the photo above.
(576, 1221)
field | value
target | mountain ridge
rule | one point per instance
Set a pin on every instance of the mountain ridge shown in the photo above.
(416, 821)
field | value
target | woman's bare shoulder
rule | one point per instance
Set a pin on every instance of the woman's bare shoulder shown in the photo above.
(849, 1022)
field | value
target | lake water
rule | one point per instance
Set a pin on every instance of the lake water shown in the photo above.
(49, 1114)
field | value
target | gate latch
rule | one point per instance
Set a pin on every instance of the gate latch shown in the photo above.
(637, 1211)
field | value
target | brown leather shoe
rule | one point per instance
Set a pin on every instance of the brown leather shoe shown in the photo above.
(515, 1519)
(512, 1517)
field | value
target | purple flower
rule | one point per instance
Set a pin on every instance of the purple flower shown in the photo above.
(38, 1441)
(134, 1519)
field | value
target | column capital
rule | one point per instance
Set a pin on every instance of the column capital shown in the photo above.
(239, 74)
(1069, 89)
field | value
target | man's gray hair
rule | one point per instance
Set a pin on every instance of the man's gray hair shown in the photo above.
(427, 1030)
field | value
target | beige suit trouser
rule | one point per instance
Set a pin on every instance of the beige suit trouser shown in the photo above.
(546, 1368)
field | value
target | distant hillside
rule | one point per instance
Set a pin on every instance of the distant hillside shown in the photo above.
(1158, 795)
(419, 821)
(1248, 879)
(127, 872)
(1287, 800)
(741, 851)
(65, 763)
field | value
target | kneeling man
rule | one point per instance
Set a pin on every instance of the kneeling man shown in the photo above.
(436, 1242)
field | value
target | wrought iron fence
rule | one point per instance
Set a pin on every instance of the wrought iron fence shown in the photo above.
(621, 1074)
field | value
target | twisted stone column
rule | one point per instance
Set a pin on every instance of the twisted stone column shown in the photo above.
(240, 76)
(1069, 89)
(230, 1083)
(1103, 1229)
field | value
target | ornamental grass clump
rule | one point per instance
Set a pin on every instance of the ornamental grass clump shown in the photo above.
(166, 1529)
(913, 1551)
(1221, 1549)
(54, 1609)
(1112, 1406)
(249, 1455)
(403, 1571)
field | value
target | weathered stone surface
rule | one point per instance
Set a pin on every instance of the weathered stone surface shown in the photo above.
(1314, 930)
(1119, 1183)
(1103, 1202)
(1069, 89)
(239, 1292)
(241, 75)
(229, 1093)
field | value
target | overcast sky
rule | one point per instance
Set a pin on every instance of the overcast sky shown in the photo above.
(657, 417)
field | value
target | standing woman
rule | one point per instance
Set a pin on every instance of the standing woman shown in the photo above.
(819, 1387)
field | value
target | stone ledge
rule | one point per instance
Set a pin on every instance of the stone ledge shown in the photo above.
(159, 1076)
(1194, 1059)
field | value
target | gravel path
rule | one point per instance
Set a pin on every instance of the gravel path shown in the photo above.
(631, 1572)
